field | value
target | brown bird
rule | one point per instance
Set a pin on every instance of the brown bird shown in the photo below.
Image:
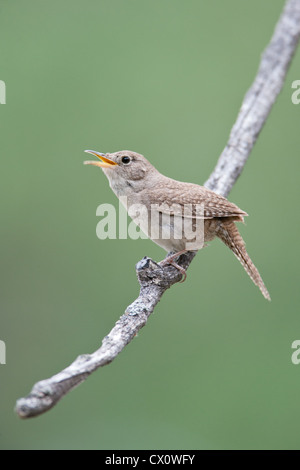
(178, 216)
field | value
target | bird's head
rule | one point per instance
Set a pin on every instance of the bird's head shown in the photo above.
(124, 169)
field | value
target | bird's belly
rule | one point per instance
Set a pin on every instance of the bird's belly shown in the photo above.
(173, 233)
(169, 239)
(161, 232)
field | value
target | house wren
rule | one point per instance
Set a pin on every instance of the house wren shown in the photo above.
(178, 216)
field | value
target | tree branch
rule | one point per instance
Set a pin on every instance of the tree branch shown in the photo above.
(259, 100)
(155, 280)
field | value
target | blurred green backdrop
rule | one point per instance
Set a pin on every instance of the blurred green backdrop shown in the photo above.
(212, 368)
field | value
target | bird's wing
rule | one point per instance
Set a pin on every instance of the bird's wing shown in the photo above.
(190, 200)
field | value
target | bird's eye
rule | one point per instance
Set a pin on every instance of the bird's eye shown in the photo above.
(125, 160)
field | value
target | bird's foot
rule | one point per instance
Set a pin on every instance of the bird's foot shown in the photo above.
(171, 260)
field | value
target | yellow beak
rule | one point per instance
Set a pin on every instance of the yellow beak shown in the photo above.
(104, 163)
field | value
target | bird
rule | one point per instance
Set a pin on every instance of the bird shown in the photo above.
(176, 215)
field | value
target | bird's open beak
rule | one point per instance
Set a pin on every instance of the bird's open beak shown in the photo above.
(104, 163)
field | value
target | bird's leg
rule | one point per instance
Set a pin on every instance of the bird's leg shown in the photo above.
(171, 260)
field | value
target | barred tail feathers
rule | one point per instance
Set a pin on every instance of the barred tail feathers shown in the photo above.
(229, 234)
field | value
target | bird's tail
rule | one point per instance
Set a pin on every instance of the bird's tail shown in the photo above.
(229, 234)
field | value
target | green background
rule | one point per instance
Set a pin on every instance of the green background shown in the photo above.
(212, 368)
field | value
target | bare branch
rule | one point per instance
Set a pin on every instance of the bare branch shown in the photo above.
(155, 280)
(259, 100)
